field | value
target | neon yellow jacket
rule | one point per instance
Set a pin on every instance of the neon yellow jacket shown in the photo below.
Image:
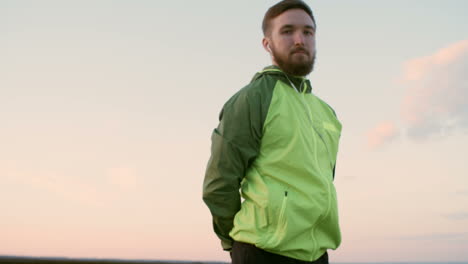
(277, 142)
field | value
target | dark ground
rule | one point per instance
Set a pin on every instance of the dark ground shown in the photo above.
(38, 260)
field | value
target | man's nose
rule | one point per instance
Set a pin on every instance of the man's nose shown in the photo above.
(299, 39)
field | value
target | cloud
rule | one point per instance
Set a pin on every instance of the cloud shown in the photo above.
(437, 88)
(461, 192)
(462, 237)
(435, 99)
(68, 188)
(118, 181)
(381, 134)
(457, 216)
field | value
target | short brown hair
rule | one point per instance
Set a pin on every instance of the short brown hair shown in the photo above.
(280, 8)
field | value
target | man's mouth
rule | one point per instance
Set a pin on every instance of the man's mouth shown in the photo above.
(300, 51)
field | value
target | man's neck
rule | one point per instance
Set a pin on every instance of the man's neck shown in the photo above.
(294, 76)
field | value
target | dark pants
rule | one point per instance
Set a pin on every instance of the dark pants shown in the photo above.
(243, 253)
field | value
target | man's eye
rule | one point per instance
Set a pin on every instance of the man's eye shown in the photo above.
(287, 32)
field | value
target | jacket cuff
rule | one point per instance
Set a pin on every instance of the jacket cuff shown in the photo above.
(227, 244)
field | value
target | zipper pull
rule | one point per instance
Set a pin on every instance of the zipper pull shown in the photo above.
(285, 193)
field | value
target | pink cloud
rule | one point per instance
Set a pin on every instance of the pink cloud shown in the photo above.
(118, 181)
(435, 99)
(416, 69)
(437, 86)
(383, 133)
(69, 188)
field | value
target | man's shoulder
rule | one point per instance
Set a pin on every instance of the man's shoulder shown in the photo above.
(258, 92)
(260, 84)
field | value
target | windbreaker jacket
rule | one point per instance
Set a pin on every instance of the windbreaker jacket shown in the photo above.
(277, 142)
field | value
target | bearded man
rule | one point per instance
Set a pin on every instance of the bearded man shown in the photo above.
(277, 143)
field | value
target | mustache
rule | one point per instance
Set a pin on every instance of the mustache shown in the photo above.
(300, 49)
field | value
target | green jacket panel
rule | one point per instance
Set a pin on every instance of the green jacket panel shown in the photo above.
(235, 145)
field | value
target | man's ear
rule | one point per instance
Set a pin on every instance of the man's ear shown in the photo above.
(266, 44)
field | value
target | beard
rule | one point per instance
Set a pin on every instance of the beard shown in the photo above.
(292, 64)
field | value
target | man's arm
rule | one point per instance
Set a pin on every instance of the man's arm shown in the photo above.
(235, 144)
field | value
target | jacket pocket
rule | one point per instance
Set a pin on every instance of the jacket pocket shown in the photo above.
(281, 219)
(279, 229)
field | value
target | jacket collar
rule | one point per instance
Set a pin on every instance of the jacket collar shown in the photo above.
(300, 83)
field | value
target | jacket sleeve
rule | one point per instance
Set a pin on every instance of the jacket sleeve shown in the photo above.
(235, 145)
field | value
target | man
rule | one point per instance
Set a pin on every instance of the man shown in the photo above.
(277, 142)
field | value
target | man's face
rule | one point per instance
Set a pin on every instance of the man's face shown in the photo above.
(291, 42)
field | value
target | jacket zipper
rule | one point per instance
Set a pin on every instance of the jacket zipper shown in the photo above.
(309, 115)
(301, 94)
(327, 211)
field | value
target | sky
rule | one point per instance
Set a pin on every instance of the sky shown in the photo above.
(107, 109)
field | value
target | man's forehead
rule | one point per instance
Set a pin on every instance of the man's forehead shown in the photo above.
(293, 18)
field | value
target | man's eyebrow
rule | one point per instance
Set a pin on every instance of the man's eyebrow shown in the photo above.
(288, 26)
